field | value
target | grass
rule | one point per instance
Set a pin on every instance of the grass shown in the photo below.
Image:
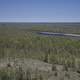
(48, 49)
(17, 74)
(24, 43)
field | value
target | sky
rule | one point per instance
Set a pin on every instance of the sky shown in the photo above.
(39, 10)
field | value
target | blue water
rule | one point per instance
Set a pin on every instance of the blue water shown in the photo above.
(51, 34)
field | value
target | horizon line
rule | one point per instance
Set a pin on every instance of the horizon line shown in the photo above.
(38, 22)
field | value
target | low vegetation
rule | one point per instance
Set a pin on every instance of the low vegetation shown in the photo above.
(24, 43)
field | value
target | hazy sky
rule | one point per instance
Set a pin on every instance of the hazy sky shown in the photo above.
(39, 10)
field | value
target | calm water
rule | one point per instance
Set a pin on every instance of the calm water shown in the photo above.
(58, 34)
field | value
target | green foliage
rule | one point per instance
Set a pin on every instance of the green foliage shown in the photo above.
(19, 42)
(18, 74)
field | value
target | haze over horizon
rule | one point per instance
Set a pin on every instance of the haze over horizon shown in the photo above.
(39, 10)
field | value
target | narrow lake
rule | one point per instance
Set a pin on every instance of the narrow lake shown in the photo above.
(58, 34)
